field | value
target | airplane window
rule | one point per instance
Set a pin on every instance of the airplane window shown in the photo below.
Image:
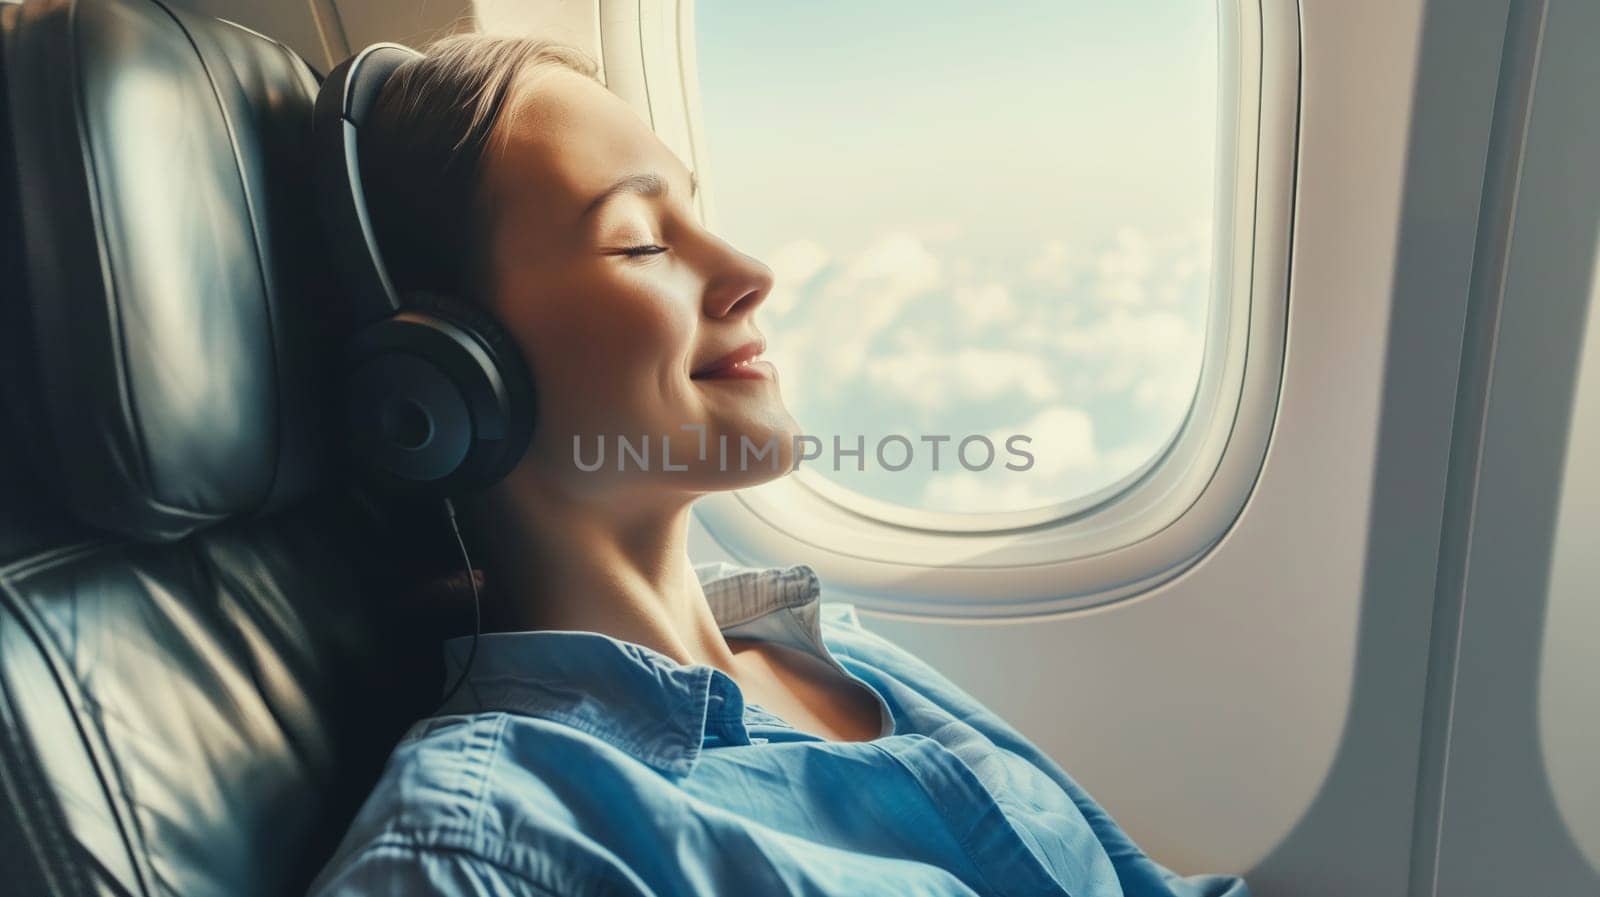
(983, 228)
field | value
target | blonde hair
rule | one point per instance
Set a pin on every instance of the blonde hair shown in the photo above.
(423, 147)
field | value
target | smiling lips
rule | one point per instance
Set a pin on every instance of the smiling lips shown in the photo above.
(743, 363)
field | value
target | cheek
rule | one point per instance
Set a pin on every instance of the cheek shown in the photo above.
(608, 352)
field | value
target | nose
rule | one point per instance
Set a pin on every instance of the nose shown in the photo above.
(739, 285)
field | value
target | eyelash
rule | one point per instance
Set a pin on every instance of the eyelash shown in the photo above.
(637, 251)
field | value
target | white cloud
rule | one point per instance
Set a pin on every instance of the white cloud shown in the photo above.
(1128, 269)
(1062, 440)
(1125, 333)
(1058, 264)
(990, 303)
(1123, 269)
(1188, 275)
(846, 312)
(897, 263)
(931, 380)
(1154, 355)
(793, 265)
(798, 260)
(912, 341)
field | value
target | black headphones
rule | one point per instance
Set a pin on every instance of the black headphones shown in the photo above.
(439, 400)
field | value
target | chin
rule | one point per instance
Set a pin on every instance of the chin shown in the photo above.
(757, 450)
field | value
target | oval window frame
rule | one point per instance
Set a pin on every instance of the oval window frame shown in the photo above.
(1158, 520)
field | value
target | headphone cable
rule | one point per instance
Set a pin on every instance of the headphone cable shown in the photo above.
(477, 609)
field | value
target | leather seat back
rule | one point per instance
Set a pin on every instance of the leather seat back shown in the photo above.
(200, 673)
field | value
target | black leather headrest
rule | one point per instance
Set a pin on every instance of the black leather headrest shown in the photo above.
(173, 313)
(204, 715)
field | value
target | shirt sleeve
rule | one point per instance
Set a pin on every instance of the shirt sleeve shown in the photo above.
(385, 869)
(1139, 874)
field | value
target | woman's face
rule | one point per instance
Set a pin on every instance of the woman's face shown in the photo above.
(622, 303)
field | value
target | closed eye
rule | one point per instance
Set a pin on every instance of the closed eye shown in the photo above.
(644, 250)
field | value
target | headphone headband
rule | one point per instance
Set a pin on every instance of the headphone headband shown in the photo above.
(343, 103)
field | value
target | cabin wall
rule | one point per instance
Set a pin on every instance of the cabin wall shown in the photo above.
(1515, 794)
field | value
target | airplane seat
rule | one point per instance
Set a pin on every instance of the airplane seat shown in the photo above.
(201, 672)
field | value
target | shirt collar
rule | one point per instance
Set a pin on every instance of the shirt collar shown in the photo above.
(633, 697)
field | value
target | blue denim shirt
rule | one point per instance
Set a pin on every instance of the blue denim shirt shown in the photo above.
(573, 763)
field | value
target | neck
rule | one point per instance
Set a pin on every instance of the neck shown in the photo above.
(558, 561)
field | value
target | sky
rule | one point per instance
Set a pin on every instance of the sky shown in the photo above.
(985, 221)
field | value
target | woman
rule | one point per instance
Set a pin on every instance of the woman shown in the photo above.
(632, 724)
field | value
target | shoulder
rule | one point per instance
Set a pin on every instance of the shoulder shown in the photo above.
(438, 819)
(855, 643)
(847, 635)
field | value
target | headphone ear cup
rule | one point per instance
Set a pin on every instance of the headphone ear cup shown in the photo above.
(439, 398)
(513, 372)
(408, 422)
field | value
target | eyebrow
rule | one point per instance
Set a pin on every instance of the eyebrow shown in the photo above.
(642, 183)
